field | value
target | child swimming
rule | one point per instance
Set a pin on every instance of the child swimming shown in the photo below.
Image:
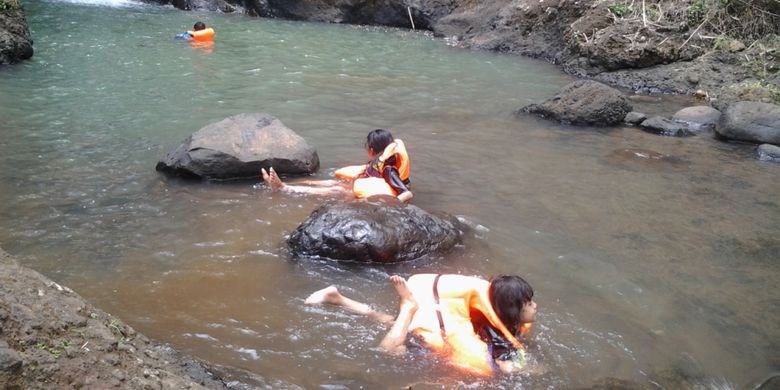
(469, 320)
(386, 173)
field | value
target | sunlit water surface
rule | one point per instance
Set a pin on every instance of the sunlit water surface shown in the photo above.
(640, 265)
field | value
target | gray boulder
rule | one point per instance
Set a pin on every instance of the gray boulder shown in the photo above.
(767, 152)
(662, 126)
(751, 121)
(635, 118)
(698, 117)
(584, 102)
(15, 40)
(238, 147)
(379, 229)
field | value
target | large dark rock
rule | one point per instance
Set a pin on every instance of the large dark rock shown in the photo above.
(376, 230)
(15, 40)
(237, 147)
(751, 121)
(584, 102)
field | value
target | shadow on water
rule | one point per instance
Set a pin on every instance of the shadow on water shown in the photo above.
(652, 258)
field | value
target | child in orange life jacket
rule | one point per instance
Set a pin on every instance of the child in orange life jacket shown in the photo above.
(199, 32)
(469, 320)
(386, 173)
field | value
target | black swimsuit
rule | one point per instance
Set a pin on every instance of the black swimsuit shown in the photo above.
(388, 172)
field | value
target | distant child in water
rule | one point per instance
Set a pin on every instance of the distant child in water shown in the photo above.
(470, 321)
(386, 173)
(199, 32)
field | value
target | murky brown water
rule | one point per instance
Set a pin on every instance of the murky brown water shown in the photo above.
(646, 253)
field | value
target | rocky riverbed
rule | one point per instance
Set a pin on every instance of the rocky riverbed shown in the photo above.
(51, 338)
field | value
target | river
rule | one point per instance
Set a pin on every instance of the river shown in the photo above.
(641, 266)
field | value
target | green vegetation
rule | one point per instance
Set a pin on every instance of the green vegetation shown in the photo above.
(696, 12)
(755, 91)
(620, 9)
(55, 350)
(749, 28)
(9, 5)
(116, 325)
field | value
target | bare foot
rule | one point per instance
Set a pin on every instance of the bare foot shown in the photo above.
(407, 299)
(327, 295)
(271, 179)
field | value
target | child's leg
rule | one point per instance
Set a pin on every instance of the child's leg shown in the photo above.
(325, 187)
(395, 339)
(332, 296)
(320, 183)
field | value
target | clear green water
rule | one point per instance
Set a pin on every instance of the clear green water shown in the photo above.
(639, 265)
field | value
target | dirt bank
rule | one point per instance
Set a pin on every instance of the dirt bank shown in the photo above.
(51, 338)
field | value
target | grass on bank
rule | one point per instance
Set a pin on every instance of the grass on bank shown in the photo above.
(9, 5)
(749, 27)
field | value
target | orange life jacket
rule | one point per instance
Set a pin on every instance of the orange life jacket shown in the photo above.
(364, 187)
(202, 35)
(443, 319)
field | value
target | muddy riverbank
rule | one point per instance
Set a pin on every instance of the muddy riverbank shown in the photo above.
(50, 337)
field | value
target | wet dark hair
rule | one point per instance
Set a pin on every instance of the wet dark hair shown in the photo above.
(377, 140)
(199, 26)
(508, 295)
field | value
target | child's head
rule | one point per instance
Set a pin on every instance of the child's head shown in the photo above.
(199, 26)
(512, 300)
(377, 141)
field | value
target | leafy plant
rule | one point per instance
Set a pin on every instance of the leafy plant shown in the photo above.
(696, 12)
(55, 350)
(620, 9)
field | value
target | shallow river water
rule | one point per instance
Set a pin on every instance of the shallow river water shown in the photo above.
(642, 267)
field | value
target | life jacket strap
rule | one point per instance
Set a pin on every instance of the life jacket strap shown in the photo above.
(438, 309)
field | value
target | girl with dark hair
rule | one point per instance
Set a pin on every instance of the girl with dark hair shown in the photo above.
(471, 321)
(386, 173)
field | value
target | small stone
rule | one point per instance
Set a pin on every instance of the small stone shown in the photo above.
(635, 118)
(10, 361)
(768, 152)
(735, 46)
(125, 348)
(118, 375)
(111, 359)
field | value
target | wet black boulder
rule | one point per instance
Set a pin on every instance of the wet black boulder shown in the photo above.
(379, 230)
(583, 103)
(237, 147)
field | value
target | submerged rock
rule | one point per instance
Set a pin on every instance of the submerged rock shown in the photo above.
(768, 152)
(635, 118)
(643, 160)
(584, 102)
(751, 121)
(663, 126)
(698, 117)
(237, 147)
(610, 383)
(379, 229)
